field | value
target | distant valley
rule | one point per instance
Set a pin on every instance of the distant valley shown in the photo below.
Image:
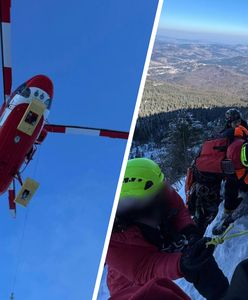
(186, 74)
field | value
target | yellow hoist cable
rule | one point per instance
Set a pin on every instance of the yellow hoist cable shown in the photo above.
(224, 237)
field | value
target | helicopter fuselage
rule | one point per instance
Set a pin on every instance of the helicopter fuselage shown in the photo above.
(21, 126)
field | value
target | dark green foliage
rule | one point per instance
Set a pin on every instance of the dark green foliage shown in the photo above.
(184, 134)
(166, 97)
(173, 138)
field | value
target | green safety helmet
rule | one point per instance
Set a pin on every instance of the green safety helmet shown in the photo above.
(142, 180)
(244, 155)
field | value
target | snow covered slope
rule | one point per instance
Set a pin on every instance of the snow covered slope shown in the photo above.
(227, 255)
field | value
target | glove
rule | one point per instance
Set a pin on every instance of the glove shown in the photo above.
(192, 234)
(200, 268)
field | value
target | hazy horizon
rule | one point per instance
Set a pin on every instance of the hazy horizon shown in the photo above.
(202, 36)
(206, 20)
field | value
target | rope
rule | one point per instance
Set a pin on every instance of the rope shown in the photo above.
(21, 241)
(37, 160)
(215, 241)
(18, 264)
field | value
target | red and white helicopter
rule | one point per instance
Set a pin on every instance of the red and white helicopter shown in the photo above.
(23, 122)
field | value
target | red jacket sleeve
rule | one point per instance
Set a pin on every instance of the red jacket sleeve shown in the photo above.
(182, 218)
(139, 261)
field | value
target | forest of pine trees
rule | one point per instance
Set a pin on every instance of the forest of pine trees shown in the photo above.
(165, 97)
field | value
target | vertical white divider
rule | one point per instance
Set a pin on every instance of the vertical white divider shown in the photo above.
(128, 147)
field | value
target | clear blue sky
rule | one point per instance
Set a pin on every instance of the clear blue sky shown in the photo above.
(212, 16)
(94, 51)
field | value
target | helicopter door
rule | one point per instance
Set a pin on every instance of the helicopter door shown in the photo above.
(31, 117)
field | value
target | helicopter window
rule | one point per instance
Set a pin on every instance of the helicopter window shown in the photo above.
(31, 118)
(25, 194)
(24, 91)
(48, 103)
(21, 87)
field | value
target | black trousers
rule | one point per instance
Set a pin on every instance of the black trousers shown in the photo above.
(238, 289)
(232, 188)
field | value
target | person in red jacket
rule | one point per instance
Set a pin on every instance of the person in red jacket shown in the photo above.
(236, 183)
(219, 162)
(154, 241)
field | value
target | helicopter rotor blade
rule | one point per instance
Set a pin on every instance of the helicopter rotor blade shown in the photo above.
(5, 30)
(86, 131)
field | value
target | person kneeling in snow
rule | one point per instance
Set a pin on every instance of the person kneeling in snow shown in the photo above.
(154, 241)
